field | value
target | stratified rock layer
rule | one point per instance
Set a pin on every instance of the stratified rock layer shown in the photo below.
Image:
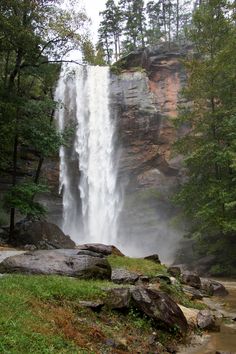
(145, 97)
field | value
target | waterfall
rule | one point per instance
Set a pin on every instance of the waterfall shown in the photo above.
(88, 168)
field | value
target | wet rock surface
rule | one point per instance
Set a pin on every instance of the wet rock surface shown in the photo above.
(174, 271)
(213, 287)
(118, 298)
(145, 98)
(190, 278)
(205, 320)
(160, 307)
(41, 235)
(123, 276)
(154, 258)
(61, 262)
(106, 250)
(193, 293)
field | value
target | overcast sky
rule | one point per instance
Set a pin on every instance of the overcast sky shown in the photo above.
(93, 7)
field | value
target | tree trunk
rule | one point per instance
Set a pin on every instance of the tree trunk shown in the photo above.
(14, 172)
(37, 174)
(177, 20)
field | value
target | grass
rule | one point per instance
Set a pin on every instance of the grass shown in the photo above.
(43, 315)
(138, 265)
(41, 310)
(53, 287)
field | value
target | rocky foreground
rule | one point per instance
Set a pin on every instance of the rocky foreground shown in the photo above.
(172, 299)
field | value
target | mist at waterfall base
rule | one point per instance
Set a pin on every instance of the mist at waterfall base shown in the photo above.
(95, 208)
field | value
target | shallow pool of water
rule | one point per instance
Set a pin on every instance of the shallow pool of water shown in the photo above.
(225, 340)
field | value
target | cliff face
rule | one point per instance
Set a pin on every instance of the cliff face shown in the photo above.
(147, 102)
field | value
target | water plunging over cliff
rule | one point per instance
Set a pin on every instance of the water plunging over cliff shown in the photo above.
(88, 169)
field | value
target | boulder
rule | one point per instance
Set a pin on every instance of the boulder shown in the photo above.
(154, 258)
(174, 271)
(212, 287)
(42, 235)
(118, 298)
(8, 252)
(90, 253)
(119, 344)
(190, 315)
(95, 306)
(121, 276)
(160, 307)
(106, 250)
(191, 279)
(162, 277)
(205, 320)
(193, 293)
(62, 262)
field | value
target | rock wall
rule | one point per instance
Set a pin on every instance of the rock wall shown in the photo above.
(146, 95)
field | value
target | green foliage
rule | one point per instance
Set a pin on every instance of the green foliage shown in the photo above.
(22, 196)
(139, 265)
(218, 270)
(134, 24)
(208, 197)
(133, 16)
(91, 55)
(110, 30)
(31, 32)
(139, 320)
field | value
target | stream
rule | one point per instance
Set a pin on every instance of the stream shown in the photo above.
(225, 340)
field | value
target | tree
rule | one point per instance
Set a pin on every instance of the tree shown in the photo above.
(110, 30)
(31, 32)
(182, 18)
(133, 16)
(92, 55)
(154, 28)
(209, 195)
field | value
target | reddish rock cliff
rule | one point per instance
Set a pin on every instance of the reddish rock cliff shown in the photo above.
(146, 99)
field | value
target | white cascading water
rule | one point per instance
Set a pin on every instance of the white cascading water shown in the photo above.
(88, 169)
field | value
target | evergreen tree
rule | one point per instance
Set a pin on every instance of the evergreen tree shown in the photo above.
(110, 30)
(92, 55)
(133, 16)
(167, 20)
(209, 195)
(154, 28)
(182, 18)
